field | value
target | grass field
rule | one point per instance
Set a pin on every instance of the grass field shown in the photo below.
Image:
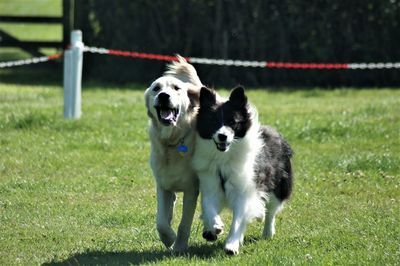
(81, 192)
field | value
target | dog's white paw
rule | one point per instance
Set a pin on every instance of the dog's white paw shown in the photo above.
(232, 248)
(212, 235)
(218, 229)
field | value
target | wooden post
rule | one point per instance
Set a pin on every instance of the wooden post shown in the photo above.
(68, 21)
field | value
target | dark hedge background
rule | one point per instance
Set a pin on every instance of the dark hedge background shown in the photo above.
(274, 30)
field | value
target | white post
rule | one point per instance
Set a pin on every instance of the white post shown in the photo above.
(73, 61)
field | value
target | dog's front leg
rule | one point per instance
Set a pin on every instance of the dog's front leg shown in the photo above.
(212, 201)
(165, 208)
(238, 226)
(189, 207)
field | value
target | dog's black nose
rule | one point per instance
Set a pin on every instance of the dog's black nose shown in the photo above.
(222, 137)
(163, 97)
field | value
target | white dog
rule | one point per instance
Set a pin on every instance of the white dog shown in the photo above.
(172, 104)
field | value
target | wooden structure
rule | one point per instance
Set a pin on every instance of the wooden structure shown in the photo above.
(67, 21)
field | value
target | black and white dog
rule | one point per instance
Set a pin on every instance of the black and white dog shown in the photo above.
(239, 163)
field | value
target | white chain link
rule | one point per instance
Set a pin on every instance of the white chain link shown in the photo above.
(29, 61)
(226, 62)
(96, 50)
(373, 65)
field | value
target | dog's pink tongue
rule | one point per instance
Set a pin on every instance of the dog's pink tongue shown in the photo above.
(167, 114)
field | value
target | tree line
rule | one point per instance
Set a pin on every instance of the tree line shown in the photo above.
(272, 30)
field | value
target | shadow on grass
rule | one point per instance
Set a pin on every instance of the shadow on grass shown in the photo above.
(203, 251)
(50, 74)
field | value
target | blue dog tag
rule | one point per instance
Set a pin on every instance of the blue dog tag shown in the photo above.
(182, 149)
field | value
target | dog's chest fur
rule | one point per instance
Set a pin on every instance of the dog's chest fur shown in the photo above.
(235, 167)
(234, 170)
(173, 170)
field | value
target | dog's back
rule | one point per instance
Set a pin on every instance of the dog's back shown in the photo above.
(274, 175)
(273, 167)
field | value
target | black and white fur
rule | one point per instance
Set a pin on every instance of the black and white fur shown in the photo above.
(172, 104)
(240, 163)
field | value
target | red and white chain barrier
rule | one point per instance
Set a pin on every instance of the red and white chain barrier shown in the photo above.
(210, 61)
(30, 61)
(245, 63)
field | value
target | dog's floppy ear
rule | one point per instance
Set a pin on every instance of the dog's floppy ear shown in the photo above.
(149, 114)
(238, 97)
(207, 97)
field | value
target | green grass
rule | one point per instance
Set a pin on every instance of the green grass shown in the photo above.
(31, 7)
(81, 192)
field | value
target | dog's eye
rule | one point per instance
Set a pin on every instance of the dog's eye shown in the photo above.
(232, 124)
(156, 88)
(176, 88)
(236, 124)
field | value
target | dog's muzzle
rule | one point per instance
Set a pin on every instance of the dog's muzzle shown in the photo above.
(167, 115)
(222, 146)
(221, 143)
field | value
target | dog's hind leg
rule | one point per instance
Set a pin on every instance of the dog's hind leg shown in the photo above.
(277, 198)
(165, 209)
(189, 207)
(274, 205)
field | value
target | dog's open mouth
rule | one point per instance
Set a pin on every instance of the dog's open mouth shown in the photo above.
(166, 115)
(222, 146)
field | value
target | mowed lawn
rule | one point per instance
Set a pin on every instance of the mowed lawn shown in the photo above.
(81, 192)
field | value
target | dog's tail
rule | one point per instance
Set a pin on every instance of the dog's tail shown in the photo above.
(183, 71)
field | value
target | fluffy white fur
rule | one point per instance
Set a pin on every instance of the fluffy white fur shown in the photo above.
(236, 166)
(172, 171)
